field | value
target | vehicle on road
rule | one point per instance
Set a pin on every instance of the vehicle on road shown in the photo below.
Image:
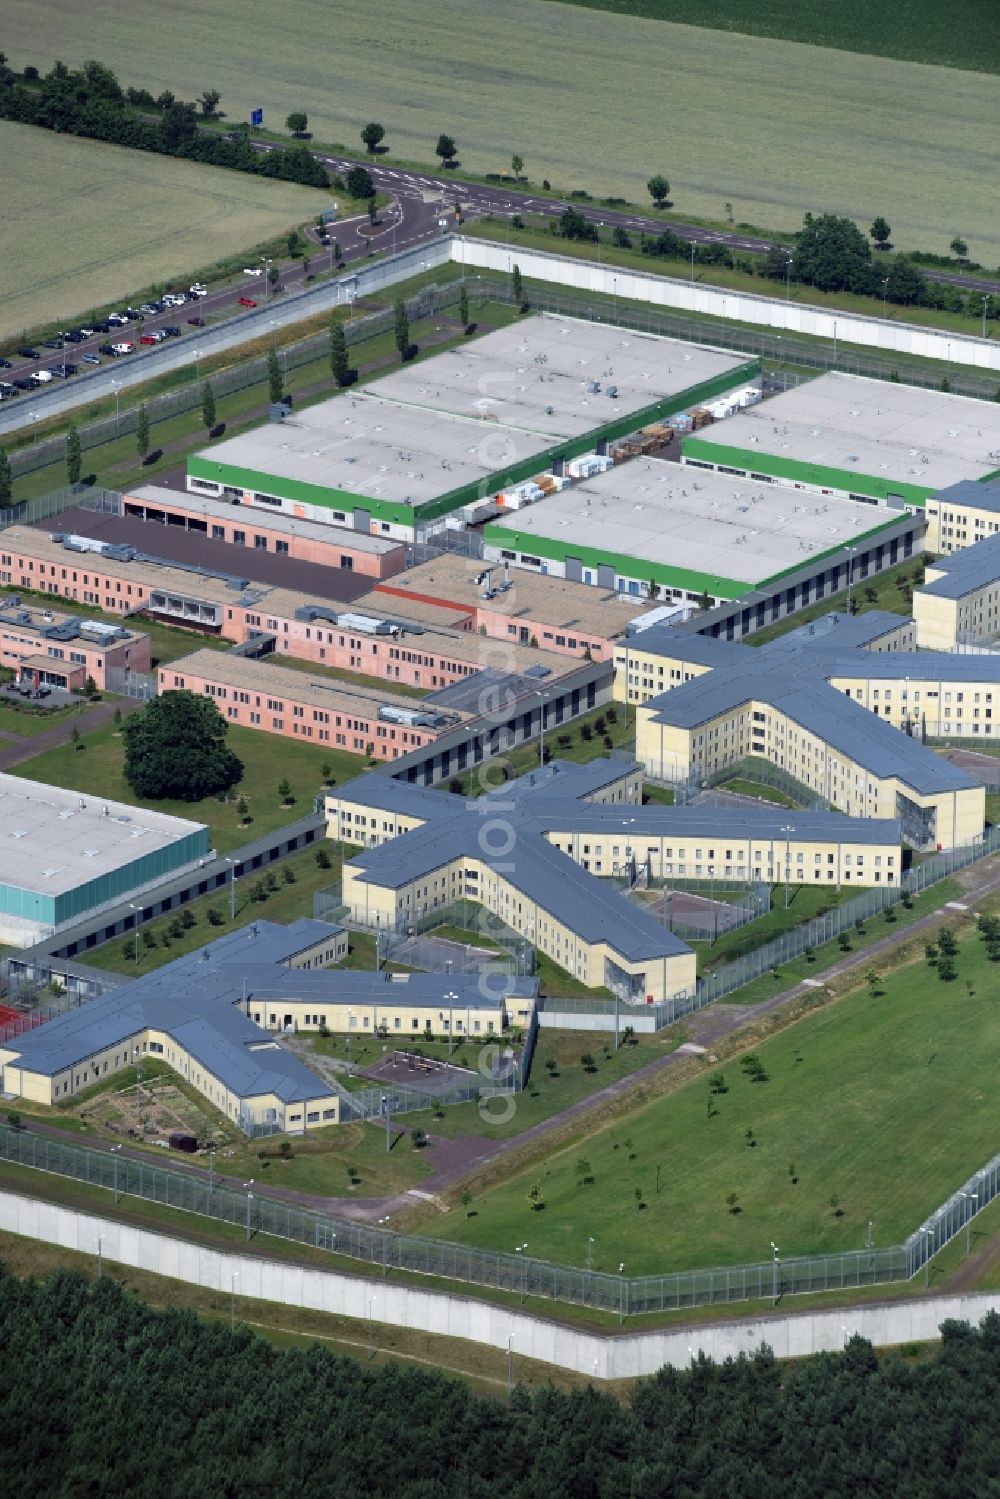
(116, 319)
(105, 348)
(90, 359)
(150, 308)
(147, 338)
(27, 353)
(197, 290)
(119, 349)
(6, 364)
(76, 337)
(51, 343)
(196, 322)
(172, 332)
(42, 377)
(252, 270)
(86, 332)
(247, 302)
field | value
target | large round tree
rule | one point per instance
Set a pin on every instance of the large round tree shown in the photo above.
(176, 748)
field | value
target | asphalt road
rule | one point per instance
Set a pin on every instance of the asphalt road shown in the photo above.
(420, 201)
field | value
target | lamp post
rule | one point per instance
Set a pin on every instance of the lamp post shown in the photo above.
(267, 266)
(969, 1197)
(788, 276)
(774, 1278)
(350, 1022)
(788, 830)
(211, 1173)
(385, 1242)
(115, 1153)
(519, 1250)
(692, 261)
(451, 997)
(885, 293)
(100, 1263)
(133, 907)
(541, 727)
(138, 1084)
(590, 1254)
(387, 1109)
(835, 341)
(850, 574)
(232, 1300)
(117, 386)
(249, 1191)
(985, 303)
(510, 1365)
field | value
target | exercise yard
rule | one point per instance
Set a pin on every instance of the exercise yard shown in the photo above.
(430, 1075)
(871, 1110)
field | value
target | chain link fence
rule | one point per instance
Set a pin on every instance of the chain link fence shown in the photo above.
(256, 1213)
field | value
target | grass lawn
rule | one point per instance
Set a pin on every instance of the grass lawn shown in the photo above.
(97, 770)
(292, 898)
(662, 796)
(880, 592)
(23, 725)
(759, 790)
(883, 1104)
(567, 742)
(804, 902)
(319, 1161)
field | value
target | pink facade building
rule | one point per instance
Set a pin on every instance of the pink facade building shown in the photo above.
(46, 648)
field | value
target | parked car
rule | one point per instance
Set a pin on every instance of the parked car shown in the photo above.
(51, 343)
(90, 359)
(86, 332)
(157, 335)
(247, 302)
(147, 338)
(117, 319)
(77, 337)
(196, 322)
(42, 377)
(24, 384)
(174, 299)
(150, 308)
(64, 370)
(6, 388)
(119, 349)
(6, 364)
(131, 313)
(27, 353)
(253, 270)
(197, 290)
(105, 348)
(173, 332)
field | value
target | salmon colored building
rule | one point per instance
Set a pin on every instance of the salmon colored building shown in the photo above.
(262, 530)
(46, 648)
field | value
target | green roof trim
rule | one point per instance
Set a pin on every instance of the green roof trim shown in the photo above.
(795, 471)
(204, 466)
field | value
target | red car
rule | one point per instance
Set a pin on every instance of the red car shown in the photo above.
(247, 302)
(147, 338)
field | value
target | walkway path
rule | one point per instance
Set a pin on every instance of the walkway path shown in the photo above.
(30, 745)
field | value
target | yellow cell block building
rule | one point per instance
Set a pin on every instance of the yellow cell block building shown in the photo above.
(962, 515)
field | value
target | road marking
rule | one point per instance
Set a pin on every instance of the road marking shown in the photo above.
(954, 905)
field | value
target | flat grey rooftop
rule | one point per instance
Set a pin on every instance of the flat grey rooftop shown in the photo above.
(264, 517)
(52, 840)
(721, 527)
(873, 427)
(369, 448)
(534, 374)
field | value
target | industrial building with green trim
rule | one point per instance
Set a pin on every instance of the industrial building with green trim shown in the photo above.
(398, 456)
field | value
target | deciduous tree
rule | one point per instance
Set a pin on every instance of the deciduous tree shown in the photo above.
(175, 747)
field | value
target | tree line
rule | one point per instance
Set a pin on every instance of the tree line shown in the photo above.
(829, 253)
(90, 102)
(101, 1394)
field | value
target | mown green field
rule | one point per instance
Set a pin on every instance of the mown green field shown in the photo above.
(85, 222)
(873, 1110)
(963, 35)
(589, 99)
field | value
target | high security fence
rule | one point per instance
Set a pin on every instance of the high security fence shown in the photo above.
(516, 1274)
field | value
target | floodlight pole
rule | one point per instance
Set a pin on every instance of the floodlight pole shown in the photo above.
(115, 1152)
(232, 1300)
(249, 1190)
(776, 1262)
(788, 830)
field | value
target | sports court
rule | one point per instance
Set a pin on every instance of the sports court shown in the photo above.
(444, 955)
(698, 916)
(405, 1069)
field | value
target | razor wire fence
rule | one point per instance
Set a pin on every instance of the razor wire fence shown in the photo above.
(252, 1213)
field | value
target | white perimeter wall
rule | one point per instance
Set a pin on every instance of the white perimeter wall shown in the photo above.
(599, 1357)
(741, 307)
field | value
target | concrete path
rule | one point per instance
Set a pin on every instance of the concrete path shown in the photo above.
(16, 751)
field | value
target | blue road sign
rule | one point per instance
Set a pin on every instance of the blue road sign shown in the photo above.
(256, 117)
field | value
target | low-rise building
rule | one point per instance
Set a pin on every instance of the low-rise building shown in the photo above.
(546, 854)
(961, 515)
(46, 647)
(263, 528)
(64, 855)
(959, 601)
(214, 1016)
(847, 724)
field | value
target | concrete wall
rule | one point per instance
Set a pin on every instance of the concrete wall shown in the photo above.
(599, 1356)
(741, 307)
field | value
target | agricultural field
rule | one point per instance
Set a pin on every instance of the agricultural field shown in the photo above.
(816, 129)
(963, 35)
(85, 222)
(873, 1109)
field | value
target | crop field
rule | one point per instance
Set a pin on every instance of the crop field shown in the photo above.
(962, 35)
(85, 222)
(872, 1110)
(590, 99)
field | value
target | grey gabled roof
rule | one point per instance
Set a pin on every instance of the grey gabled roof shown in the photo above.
(965, 572)
(977, 493)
